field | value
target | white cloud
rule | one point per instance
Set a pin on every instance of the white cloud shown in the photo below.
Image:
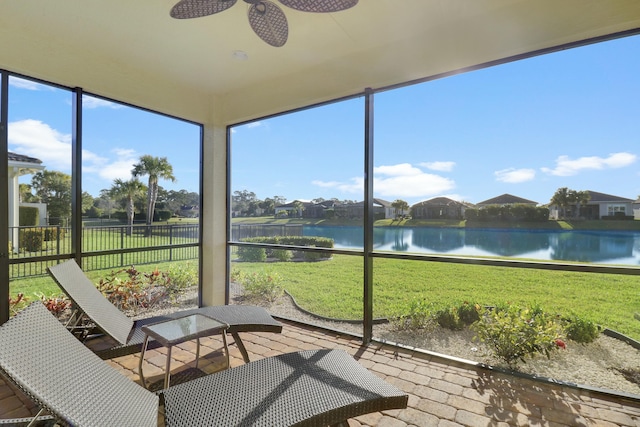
(401, 169)
(37, 139)
(353, 186)
(111, 169)
(254, 124)
(92, 102)
(396, 181)
(19, 83)
(438, 166)
(568, 167)
(514, 176)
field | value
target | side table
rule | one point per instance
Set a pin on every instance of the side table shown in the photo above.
(175, 331)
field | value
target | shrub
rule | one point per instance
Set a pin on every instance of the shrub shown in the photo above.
(581, 330)
(415, 314)
(31, 239)
(161, 215)
(282, 254)
(250, 254)
(448, 318)
(469, 313)
(305, 241)
(135, 290)
(56, 304)
(313, 256)
(51, 234)
(29, 216)
(512, 333)
(456, 317)
(183, 276)
(265, 285)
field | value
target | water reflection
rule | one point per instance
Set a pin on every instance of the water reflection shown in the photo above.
(581, 246)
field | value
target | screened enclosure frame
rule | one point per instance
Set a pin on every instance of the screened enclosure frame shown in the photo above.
(77, 253)
(368, 253)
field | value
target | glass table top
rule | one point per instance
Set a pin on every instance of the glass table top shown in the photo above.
(182, 329)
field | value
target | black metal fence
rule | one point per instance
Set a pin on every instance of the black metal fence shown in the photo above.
(33, 249)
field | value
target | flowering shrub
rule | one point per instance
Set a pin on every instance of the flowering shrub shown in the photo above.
(265, 285)
(136, 290)
(513, 333)
(56, 304)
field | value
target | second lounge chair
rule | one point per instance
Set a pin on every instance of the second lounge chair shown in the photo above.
(126, 333)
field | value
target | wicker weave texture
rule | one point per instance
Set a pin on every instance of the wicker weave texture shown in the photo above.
(60, 374)
(307, 388)
(89, 299)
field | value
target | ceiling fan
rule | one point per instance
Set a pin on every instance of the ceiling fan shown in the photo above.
(265, 17)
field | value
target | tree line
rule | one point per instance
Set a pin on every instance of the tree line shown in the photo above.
(54, 189)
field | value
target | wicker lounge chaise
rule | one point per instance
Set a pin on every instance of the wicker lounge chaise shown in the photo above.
(126, 334)
(67, 380)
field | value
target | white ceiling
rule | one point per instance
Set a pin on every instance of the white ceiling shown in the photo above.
(133, 51)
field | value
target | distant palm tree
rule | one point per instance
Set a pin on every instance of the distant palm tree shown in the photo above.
(561, 198)
(580, 198)
(400, 207)
(128, 190)
(155, 168)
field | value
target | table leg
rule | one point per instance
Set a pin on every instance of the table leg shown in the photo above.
(197, 351)
(167, 368)
(226, 347)
(241, 347)
(142, 352)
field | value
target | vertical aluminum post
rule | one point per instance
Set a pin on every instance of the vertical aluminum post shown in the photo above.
(367, 333)
(76, 176)
(4, 197)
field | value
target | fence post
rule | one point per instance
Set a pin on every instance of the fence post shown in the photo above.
(170, 242)
(57, 239)
(122, 231)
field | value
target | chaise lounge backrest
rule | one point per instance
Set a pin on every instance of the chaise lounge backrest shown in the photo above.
(84, 294)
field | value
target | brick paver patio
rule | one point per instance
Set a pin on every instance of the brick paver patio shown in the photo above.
(442, 392)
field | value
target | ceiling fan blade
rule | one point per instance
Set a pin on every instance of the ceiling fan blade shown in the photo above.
(269, 23)
(321, 6)
(185, 9)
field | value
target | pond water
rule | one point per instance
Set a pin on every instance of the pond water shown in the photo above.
(605, 247)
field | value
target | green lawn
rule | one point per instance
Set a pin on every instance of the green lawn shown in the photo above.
(334, 288)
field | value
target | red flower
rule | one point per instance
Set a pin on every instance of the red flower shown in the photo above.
(561, 344)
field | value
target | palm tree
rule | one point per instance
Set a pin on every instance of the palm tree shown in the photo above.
(155, 168)
(581, 198)
(128, 190)
(400, 207)
(561, 199)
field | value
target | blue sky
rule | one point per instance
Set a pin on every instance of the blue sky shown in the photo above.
(569, 119)
(114, 137)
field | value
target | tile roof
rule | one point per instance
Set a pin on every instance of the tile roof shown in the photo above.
(506, 199)
(602, 197)
(22, 158)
